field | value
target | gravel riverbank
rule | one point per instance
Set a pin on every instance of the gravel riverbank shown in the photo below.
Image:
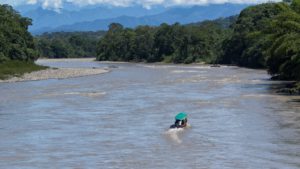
(60, 73)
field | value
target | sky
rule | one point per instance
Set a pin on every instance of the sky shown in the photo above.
(57, 4)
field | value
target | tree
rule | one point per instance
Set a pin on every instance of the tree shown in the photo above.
(267, 35)
(247, 45)
(169, 43)
(284, 54)
(76, 44)
(16, 43)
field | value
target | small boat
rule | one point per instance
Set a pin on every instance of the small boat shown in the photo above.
(180, 121)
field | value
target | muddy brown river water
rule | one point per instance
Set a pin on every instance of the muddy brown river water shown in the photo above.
(120, 119)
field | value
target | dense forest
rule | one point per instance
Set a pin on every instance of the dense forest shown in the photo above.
(16, 43)
(17, 48)
(68, 44)
(267, 36)
(198, 42)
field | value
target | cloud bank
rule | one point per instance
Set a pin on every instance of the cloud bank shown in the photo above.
(57, 4)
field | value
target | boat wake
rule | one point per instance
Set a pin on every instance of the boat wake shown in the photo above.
(174, 133)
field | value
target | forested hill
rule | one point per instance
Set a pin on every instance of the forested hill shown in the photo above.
(16, 43)
(221, 22)
(99, 18)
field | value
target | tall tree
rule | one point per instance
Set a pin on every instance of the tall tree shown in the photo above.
(16, 43)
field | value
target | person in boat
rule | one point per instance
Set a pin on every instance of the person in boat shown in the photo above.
(180, 121)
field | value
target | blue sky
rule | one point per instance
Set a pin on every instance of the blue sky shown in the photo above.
(55, 4)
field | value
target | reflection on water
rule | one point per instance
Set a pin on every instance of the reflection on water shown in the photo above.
(121, 119)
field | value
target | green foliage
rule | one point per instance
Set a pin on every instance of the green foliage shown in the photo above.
(267, 35)
(247, 45)
(169, 43)
(68, 44)
(16, 43)
(17, 68)
(296, 6)
(284, 54)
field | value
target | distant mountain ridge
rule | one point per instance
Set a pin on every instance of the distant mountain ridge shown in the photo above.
(99, 18)
(49, 19)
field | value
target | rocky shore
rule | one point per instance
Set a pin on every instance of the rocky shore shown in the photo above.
(56, 73)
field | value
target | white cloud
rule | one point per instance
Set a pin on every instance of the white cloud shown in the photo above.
(57, 4)
(51, 4)
(13, 2)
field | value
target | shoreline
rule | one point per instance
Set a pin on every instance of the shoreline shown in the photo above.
(67, 59)
(56, 73)
(292, 88)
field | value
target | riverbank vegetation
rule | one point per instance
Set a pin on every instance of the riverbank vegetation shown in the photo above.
(267, 36)
(17, 49)
(68, 44)
(16, 43)
(17, 68)
(199, 42)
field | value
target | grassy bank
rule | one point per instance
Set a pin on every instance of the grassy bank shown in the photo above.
(17, 68)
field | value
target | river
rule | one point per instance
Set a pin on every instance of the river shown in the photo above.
(120, 119)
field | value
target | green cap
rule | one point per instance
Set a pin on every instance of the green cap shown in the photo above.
(181, 116)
